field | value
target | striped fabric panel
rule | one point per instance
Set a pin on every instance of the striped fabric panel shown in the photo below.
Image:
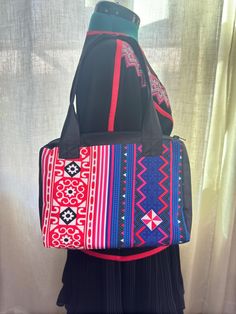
(101, 197)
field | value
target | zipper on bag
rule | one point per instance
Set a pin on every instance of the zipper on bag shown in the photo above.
(178, 137)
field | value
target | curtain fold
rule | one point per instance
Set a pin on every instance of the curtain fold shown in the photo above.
(223, 176)
(214, 245)
(191, 46)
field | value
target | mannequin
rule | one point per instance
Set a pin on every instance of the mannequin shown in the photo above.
(153, 282)
(113, 17)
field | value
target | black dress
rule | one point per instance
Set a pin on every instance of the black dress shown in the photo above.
(153, 284)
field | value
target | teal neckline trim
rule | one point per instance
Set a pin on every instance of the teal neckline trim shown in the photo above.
(103, 22)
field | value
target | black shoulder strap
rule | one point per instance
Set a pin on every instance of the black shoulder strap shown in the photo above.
(151, 129)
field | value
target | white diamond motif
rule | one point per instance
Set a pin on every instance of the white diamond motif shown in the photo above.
(151, 220)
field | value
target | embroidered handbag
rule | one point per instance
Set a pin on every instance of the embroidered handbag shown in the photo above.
(114, 189)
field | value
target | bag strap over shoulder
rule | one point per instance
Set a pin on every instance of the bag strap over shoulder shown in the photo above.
(151, 129)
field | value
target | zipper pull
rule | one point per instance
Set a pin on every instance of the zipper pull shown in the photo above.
(178, 137)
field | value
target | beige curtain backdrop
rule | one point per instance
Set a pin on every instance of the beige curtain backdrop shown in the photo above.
(211, 284)
(192, 47)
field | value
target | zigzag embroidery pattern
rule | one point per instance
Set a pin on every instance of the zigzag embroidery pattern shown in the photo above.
(158, 89)
(131, 61)
(161, 183)
(165, 177)
(143, 197)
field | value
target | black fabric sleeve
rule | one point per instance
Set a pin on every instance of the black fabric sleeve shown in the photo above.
(161, 101)
(133, 96)
(94, 93)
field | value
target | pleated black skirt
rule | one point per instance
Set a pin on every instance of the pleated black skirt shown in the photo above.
(150, 285)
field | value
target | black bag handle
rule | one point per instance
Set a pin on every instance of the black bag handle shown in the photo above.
(151, 135)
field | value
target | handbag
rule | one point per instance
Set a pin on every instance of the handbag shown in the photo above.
(116, 189)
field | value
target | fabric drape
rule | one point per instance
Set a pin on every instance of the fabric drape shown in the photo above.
(217, 201)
